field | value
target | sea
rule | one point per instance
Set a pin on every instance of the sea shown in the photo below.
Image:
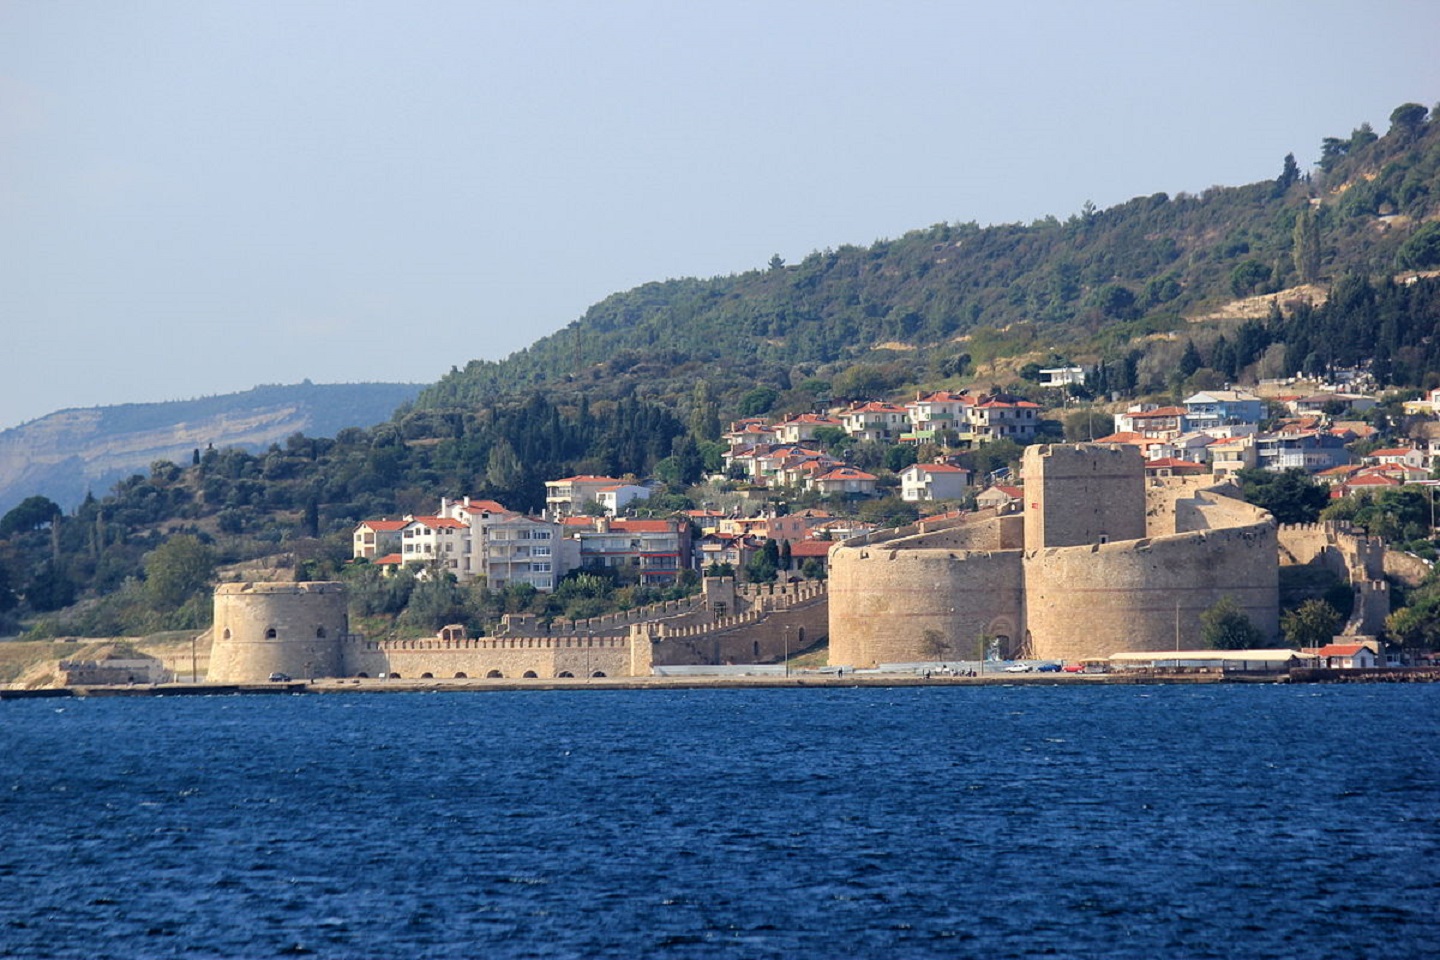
(1237, 821)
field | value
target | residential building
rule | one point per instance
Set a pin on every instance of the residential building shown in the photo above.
(1308, 450)
(801, 428)
(879, 422)
(940, 411)
(1062, 376)
(844, 481)
(1173, 467)
(1151, 421)
(376, 538)
(440, 540)
(933, 481)
(1003, 418)
(568, 497)
(650, 551)
(1216, 408)
(1229, 457)
(1000, 495)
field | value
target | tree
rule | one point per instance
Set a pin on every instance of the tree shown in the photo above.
(758, 401)
(1312, 624)
(31, 514)
(1407, 120)
(503, 469)
(1288, 176)
(1226, 627)
(1306, 245)
(177, 570)
(1291, 496)
(1247, 276)
(1422, 250)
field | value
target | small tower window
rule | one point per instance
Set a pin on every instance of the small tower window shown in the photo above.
(319, 633)
(270, 633)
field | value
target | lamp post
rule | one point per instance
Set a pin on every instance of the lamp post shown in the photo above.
(193, 672)
(786, 630)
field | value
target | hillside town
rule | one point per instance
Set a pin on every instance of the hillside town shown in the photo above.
(1329, 433)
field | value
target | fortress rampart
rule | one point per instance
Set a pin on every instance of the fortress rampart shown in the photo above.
(912, 604)
(301, 629)
(1148, 594)
(1108, 564)
(290, 628)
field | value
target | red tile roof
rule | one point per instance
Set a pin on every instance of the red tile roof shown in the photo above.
(379, 525)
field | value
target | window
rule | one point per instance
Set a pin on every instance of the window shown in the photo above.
(539, 568)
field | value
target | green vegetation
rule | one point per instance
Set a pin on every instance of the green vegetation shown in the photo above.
(643, 382)
(1226, 627)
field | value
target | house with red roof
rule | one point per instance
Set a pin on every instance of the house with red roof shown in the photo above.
(1000, 495)
(375, 538)
(844, 481)
(876, 421)
(568, 496)
(648, 551)
(802, 427)
(1350, 656)
(1003, 418)
(933, 481)
(1162, 467)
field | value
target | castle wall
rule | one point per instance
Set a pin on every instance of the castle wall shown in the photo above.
(745, 638)
(1090, 602)
(290, 628)
(893, 606)
(496, 657)
(1082, 493)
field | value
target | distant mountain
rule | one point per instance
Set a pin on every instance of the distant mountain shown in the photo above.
(70, 453)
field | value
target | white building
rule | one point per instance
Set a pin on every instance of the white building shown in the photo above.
(933, 481)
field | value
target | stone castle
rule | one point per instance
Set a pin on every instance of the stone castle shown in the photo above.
(302, 630)
(1094, 561)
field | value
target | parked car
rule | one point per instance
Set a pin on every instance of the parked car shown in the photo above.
(1048, 668)
(279, 678)
(1074, 668)
(1017, 668)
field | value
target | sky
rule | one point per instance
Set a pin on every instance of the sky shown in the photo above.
(200, 197)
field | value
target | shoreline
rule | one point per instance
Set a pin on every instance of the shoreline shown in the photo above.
(809, 681)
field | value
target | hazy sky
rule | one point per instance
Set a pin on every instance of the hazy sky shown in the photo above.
(200, 196)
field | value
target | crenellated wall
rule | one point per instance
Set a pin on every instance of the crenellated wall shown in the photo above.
(496, 657)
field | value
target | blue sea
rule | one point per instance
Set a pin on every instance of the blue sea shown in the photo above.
(1241, 821)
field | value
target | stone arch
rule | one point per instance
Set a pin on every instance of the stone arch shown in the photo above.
(427, 675)
(362, 675)
(494, 675)
(530, 675)
(460, 675)
(598, 673)
(565, 674)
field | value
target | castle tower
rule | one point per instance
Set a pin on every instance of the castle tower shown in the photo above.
(1082, 494)
(291, 628)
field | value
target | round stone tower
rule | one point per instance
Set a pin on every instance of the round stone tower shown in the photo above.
(265, 628)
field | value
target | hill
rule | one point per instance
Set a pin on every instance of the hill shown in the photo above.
(956, 298)
(1163, 295)
(67, 454)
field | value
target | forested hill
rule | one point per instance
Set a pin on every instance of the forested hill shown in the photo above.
(955, 296)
